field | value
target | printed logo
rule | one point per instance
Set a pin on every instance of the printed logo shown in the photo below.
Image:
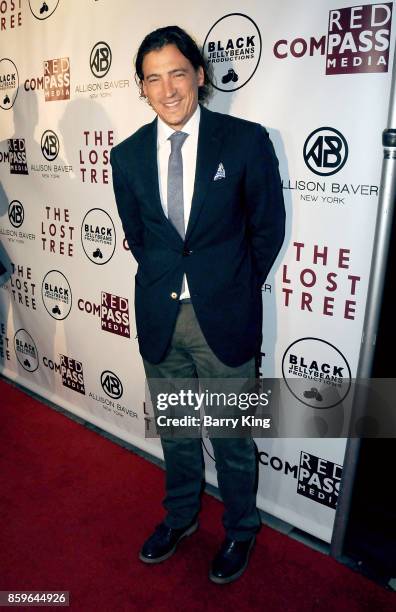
(16, 213)
(17, 156)
(114, 314)
(98, 237)
(94, 156)
(26, 351)
(316, 373)
(100, 62)
(49, 145)
(56, 295)
(9, 83)
(319, 279)
(72, 374)
(325, 151)
(233, 48)
(319, 479)
(5, 354)
(111, 384)
(16, 217)
(57, 231)
(21, 286)
(358, 40)
(51, 365)
(42, 10)
(100, 59)
(11, 15)
(57, 79)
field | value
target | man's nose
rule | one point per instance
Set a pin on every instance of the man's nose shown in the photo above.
(169, 88)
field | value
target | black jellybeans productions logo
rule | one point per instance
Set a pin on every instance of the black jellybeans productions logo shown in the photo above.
(316, 373)
(16, 213)
(233, 49)
(42, 9)
(26, 350)
(17, 156)
(49, 145)
(319, 479)
(56, 295)
(325, 151)
(100, 59)
(9, 83)
(111, 384)
(72, 374)
(114, 314)
(98, 236)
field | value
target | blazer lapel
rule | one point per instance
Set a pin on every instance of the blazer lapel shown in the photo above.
(209, 143)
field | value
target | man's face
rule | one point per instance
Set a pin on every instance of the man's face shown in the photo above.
(171, 85)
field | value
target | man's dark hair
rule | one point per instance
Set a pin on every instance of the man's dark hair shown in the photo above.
(173, 35)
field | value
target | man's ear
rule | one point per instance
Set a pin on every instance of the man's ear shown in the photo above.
(200, 76)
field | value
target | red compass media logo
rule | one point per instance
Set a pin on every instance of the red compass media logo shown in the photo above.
(358, 40)
(72, 374)
(17, 156)
(57, 79)
(319, 479)
(114, 314)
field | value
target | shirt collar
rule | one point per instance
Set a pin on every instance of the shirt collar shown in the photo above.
(191, 127)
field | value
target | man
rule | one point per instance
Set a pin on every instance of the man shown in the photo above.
(200, 200)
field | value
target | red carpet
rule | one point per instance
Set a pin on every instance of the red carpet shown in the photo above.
(75, 509)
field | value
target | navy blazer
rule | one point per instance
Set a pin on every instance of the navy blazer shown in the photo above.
(234, 233)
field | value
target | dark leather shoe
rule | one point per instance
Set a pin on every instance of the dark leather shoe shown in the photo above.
(231, 560)
(163, 542)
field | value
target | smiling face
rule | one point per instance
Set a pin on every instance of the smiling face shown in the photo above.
(171, 85)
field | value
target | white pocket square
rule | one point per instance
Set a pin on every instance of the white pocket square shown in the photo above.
(220, 173)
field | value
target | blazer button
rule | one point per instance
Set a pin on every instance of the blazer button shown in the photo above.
(174, 295)
(187, 252)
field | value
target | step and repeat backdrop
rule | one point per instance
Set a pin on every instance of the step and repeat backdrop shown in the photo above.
(317, 75)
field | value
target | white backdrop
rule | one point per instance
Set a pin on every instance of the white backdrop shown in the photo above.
(316, 74)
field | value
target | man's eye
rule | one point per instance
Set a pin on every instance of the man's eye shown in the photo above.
(153, 80)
